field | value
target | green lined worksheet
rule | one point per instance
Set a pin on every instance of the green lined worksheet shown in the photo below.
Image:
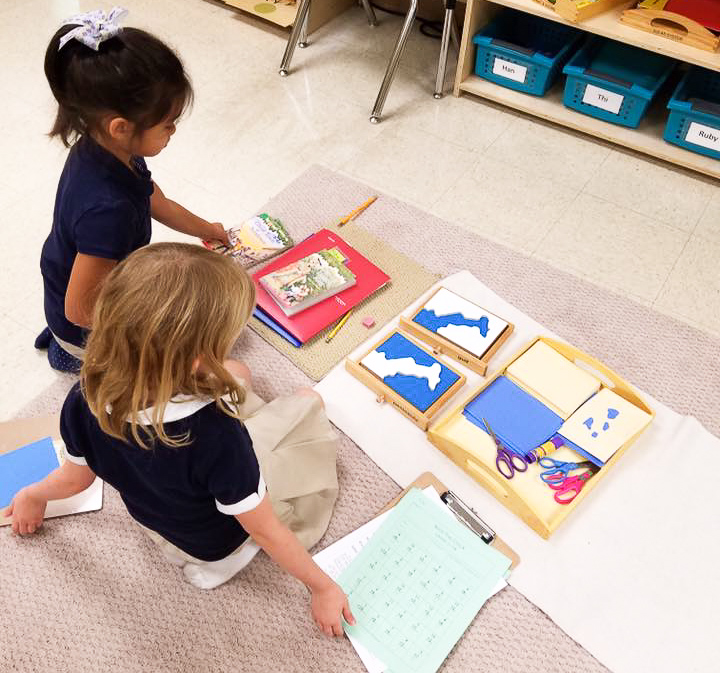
(417, 585)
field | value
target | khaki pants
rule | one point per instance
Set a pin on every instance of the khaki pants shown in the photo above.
(296, 449)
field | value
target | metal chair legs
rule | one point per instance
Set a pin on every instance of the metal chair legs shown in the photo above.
(394, 60)
(299, 27)
(369, 12)
(449, 30)
(303, 40)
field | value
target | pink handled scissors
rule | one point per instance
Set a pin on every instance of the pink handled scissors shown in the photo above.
(568, 488)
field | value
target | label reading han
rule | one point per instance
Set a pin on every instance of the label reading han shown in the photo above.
(512, 71)
(705, 136)
(605, 100)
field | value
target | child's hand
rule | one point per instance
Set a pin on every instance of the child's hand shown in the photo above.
(329, 605)
(217, 232)
(27, 511)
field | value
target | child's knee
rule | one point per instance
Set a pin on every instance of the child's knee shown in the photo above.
(239, 370)
(309, 392)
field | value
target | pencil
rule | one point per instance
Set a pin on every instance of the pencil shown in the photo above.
(337, 327)
(357, 211)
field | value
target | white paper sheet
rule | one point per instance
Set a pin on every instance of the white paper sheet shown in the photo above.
(633, 574)
(336, 557)
(89, 500)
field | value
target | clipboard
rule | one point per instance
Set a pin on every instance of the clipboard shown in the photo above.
(17, 433)
(463, 513)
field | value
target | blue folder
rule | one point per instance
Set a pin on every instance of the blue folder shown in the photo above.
(519, 420)
(276, 327)
(25, 466)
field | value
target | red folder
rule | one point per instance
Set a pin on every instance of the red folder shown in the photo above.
(306, 324)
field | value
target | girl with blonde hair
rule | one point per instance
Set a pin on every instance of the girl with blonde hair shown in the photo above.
(158, 414)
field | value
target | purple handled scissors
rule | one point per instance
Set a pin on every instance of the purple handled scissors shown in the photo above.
(506, 459)
(569, 487)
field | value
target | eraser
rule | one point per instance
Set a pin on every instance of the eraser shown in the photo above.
(368, 322)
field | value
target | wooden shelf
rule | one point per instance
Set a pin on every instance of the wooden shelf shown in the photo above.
(609, 25)
(647, 138)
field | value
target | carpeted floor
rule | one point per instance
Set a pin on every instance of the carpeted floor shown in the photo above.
(91, 593)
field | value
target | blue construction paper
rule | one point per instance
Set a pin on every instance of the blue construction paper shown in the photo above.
(415, 390)
(25, 466)
(582, 452)
(519, 420)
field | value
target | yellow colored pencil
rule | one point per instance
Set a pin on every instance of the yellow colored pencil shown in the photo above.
(357, 211)
(337, 327)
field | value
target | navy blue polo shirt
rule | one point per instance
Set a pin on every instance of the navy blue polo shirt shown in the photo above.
(187, 494)
(102, 208)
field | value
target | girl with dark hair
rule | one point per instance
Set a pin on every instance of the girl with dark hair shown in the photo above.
(120, 93)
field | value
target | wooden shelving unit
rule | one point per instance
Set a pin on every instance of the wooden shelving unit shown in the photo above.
(647, 138)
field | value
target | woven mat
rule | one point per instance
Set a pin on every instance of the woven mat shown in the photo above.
(408, 281)
(92, 593)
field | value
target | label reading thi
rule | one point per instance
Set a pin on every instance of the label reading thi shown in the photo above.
(705, 136)
(512, 71)
(605, 100)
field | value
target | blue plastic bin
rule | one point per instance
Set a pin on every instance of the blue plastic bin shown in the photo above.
(524, 52)
(623, 80)
(694, 121)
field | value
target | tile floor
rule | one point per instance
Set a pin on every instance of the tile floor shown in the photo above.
(637, 227)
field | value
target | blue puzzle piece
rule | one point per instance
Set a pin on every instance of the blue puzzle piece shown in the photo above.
(411, 388)
(429, 320)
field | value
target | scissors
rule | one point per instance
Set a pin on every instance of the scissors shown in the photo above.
(558, 470)
(569, 487)
(506, 459)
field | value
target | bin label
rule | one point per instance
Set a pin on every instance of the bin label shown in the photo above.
(513, 71)
(705, 136)
(602, 98)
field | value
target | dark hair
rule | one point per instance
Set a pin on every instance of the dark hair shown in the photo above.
(133, 75)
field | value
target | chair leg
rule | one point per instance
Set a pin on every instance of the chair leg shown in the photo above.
(444, 47)
(303, 40)
(303, 7)
(394, 61)
(369, 12)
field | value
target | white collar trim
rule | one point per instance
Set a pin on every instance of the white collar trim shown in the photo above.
(180, 406)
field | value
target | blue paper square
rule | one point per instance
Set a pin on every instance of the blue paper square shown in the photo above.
(519, 420)
(25, 466)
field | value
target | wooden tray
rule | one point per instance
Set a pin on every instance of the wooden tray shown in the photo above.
(581, 10)
(442, 346)
(525, 494)
(387, 394)
(672, 26)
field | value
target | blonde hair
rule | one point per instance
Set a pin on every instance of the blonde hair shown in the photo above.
(159, 310)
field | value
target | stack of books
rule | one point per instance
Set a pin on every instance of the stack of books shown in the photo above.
(313, 285)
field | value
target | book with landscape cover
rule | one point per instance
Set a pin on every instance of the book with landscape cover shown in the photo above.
(307, 281)
(255, 240)
(303, 326)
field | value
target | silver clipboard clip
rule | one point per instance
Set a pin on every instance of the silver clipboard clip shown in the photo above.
(467, 516)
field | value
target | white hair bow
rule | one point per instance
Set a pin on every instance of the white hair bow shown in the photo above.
(93, 28)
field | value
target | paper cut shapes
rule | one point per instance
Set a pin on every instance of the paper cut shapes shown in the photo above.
(559, 383)
(604, 423)
(410, 371)
(460, 321)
